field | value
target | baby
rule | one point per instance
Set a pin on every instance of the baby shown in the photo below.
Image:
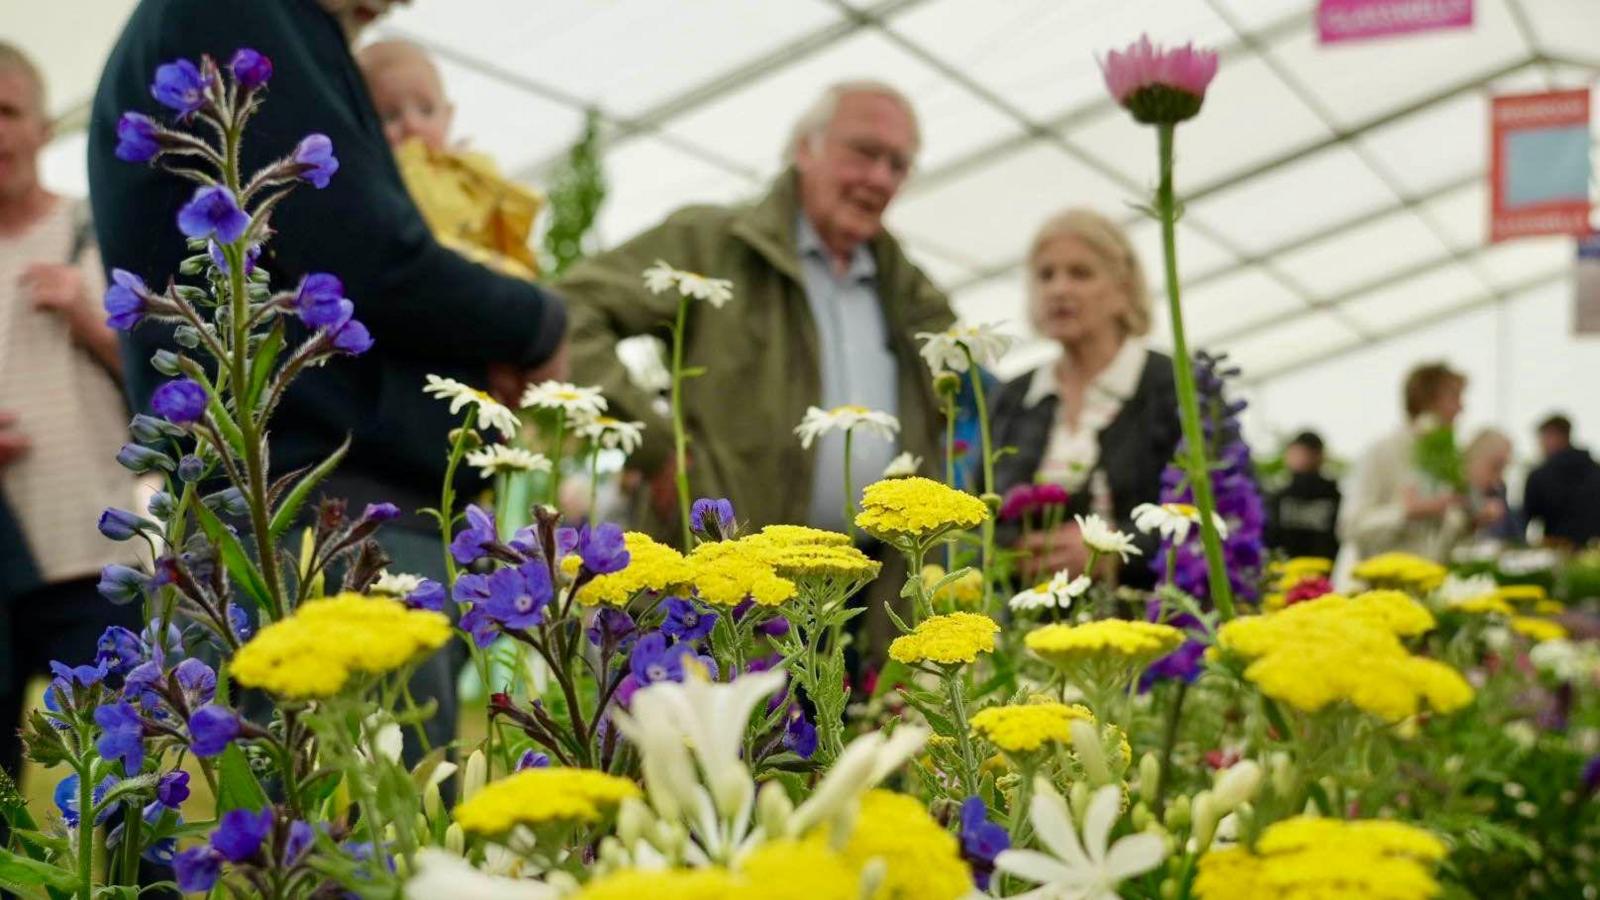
(462, 196)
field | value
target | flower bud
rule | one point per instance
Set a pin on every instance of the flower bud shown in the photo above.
(432, 803)
(1149, 776)
(1169, 888)
(1178, 813)
(1205, 820)
(1141, 816)
(191, 468)
(774, 809)
(162, 505)
(1236, 784)
(475, 775)
(1086, 744)
(1283, 774)
(140, 459)
(455, 840)
(633, 821)
(947, 384)
(1078, 795)
(166, 362)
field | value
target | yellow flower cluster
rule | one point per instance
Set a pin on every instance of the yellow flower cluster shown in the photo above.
(1291, 571)
(965, 592)
(1481, 605)
(1334, 649)
(651, 567)
(788, 535)
(1403, 570)
(314, 652)
(822, 560)
(726, 573)
(955, 638)
(1539, 630)
(922, 860)
(779, 870)
(538, 796)
(916, 509)
(1028, 726)
(1314, 859)
(1115, 639)
(1522, 593)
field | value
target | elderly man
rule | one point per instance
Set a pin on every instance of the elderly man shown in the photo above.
(61, 417)
(824, 311)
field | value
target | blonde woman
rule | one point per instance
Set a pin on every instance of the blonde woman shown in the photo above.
(1101, 417)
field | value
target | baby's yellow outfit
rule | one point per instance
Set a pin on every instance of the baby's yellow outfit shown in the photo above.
(471, 207)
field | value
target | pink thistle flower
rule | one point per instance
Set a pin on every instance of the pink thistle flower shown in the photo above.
(1159, 85)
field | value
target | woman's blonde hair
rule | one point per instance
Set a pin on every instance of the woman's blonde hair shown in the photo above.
(1107, 239)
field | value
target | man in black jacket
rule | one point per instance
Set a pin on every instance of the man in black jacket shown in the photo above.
(428, 309)
(1563, 493)
(1302, 514)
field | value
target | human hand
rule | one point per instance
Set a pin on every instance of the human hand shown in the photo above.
(1419, 507)
(1492, 511)
(13, 443)
(60, 289)
(663, 487)
(1051, 551)
(554, 368)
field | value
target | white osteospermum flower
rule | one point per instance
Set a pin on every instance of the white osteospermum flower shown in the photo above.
(1057, 593)
(903, 466)
(947, 351)
(397, 584)
(441, 873)
(497, 459)
(578, 403)
(660, 278)
(490, 412)
(613, 433)
(1099, 536)
(1173, 520)
(819, 421)
(1087, 869)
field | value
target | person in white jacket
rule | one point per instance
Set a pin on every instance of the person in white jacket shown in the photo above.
(1395, 501)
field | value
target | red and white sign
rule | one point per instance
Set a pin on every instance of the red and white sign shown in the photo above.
(1355, 20)
(1539, 164)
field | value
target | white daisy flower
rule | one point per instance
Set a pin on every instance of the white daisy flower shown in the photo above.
(578, 403)
(499, 459)
(661, 278)
(1089, 868)
(490, 412)
(613, 433)
(1457, 590)
(1057, 593)
(819, 421)
(1099, 536)
(1173, 520)
(903, 466)
(397, 584)
(946, 351)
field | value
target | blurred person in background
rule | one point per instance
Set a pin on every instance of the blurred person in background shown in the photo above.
(1303, 514)
(1563, 494)
(61, 415)
(1406, 491)
(1488, 502)
(1101, 418)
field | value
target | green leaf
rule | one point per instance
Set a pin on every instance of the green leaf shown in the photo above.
(13, 806)
(290, 507)
(692, 372)
(26, 876)
(237, 787)
(261, 366)
(238, 563)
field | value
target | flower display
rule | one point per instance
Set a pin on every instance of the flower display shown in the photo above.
(727, 573)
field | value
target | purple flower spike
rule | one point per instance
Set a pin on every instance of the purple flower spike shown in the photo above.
(468, 547)
(121, 735)
(799, 735)
(213, 212)
(317, 301)
(602, 548)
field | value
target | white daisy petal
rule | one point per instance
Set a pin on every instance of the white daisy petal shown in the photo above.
(1053, 822)
(1099, 820)
(819, 421)
(949, 350)
(1032, 865)
(1135, 855)
(578, 404)
(497, 459)
(613, 434)
(490, 412)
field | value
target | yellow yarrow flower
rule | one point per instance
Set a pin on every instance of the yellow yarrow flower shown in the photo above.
(1540, 630)
(662, 884)
(1405, 570)
(822, 560)
(651, 567)
(1117, 639)
(1522, 593)
(1313, 859)
(916, 509)
(797, 870)
(1487, 604)
(964, 592)
(540, 796)
(922, 861)
(314, 652)
(955, 638)
(1549, 607)
(1025, 727)
(726, 573)
(787, 535)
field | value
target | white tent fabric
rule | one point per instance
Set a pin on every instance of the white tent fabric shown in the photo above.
(1337, 211)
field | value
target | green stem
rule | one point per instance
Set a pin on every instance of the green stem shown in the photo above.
(849, 493)
(1169, 739)
(86, 831)
(950, 467)
(447, 497)
(555, 459)
(681, 454)
(958, 706)
(594, 484)
(988, 474)
(1183, 373)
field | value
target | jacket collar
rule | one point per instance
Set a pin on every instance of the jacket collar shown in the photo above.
(769, 226)
(1120, 380)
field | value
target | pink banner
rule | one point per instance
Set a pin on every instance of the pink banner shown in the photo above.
(1354, 20)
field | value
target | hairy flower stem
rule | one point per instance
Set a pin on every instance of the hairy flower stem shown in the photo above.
(987, 448)
(447, 497)
(958, 707)
(1169, 739)
(1183, 373)
(680, 452)
(849, 491)
(86, 830)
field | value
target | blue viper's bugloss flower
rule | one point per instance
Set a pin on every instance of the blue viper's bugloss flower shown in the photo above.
(121, 525)
(121, 584)
(468, 546)
(239, 622)
(173, 789)
(179, 86)
(687, 620)
(241, 832)
(298, 843)
(533, 759)
(66, 797)
(213, 212)
(711, 516)
(197, 869)
(602, 548)
(197, 681)
(140, 459)
(479, 625)
(119, 651)
(251, 68)
(125, 301)
(517, 597)
(350, 336)
(138, 138)
(211, 729)
(220, 260)
(121, 735)
(799, 735)
(315, 156)
(981, 840)
(613, 626)
(429, 595)
(317, 300)
(381, 512)
(653, 660)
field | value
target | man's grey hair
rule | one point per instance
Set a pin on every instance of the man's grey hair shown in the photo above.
(815, 120)
(12, 57)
